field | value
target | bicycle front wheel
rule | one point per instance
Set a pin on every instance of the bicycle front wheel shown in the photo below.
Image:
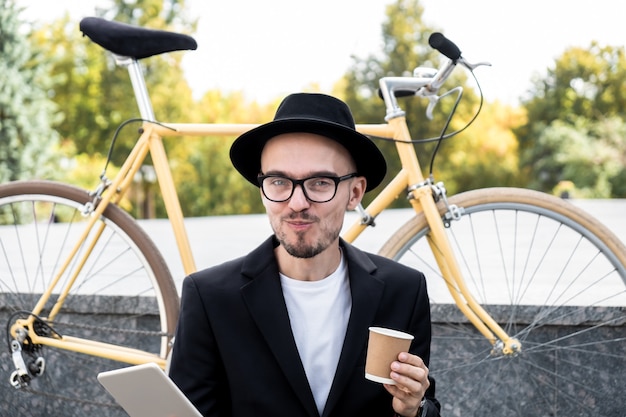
(123, 295)
(554, 278)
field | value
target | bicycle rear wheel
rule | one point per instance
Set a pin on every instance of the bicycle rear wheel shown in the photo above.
(123, 295)
(553, 277)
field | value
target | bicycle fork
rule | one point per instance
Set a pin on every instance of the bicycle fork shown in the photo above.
(423, 197)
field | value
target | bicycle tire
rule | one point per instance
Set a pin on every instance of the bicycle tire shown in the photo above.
(559, 287)
(124, 295)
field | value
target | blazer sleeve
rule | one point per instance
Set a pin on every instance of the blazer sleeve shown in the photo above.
(405, 305)
(419, 322)
(195, 366)
(422, 326)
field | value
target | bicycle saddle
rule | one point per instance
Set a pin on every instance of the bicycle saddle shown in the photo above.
(133, 41)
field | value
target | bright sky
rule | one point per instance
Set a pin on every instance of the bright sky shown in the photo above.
(271, 48)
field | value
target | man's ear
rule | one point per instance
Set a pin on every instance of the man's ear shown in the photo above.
(357, 191)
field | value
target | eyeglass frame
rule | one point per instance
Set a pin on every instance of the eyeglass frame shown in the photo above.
(294, 183)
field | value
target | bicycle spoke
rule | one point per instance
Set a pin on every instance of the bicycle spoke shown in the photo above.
(114, 300)
(552, 283)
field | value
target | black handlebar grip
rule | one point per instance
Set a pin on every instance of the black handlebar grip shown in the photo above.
(398, 93)
(444, 45)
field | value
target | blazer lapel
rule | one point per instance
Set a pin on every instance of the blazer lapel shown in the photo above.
(366, 292)
(264, 299)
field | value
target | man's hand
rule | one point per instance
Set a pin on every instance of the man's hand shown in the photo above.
(411, 377)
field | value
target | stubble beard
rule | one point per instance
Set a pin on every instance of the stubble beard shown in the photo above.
(300, 248)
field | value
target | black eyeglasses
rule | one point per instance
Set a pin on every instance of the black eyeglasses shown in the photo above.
(317, 189)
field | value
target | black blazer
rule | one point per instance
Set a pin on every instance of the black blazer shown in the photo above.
(235, 355)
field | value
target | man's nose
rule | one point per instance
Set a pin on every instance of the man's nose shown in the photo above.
(298, 200)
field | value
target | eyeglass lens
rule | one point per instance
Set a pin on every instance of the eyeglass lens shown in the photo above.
(316, 189)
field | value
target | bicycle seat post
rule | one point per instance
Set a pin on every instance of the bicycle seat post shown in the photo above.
(139, 86)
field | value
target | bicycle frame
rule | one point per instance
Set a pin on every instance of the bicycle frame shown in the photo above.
(409, 179)
(421, 198)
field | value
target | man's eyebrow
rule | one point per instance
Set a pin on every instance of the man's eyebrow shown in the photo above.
(308, 175)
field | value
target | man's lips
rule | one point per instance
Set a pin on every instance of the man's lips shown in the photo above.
(298, 224)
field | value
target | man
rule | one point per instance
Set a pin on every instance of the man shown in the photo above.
(283, 331)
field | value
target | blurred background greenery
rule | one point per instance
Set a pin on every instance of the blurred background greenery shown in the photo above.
(62, 98)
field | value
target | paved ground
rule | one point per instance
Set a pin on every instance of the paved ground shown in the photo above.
(220, 238)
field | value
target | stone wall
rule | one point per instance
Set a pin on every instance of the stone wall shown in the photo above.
(554, 375)
(462, 391)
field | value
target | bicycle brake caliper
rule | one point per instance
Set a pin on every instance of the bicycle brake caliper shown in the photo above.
(453, 212)
(90, 206)
(366, 218)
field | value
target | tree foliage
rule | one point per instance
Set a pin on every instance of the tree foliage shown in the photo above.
(588, 155)
(575, 120)
(96, 97)
(94, 94)
(206, 181)
(405, 46)
(541, 145)
(487, 156)
(27, 141)
(585, 82)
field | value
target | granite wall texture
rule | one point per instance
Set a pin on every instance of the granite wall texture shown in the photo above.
(469, 381)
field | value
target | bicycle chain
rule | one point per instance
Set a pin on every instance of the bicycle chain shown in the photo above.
(113, 329)
(30, 390)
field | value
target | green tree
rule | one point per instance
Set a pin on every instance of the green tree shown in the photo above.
(27, 142)
(405, 46)
(589, 155)
(487, 155)
(207, 183)
(567, 110)
(94, 93)
(585, 82)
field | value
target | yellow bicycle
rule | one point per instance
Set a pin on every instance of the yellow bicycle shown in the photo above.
(533, 289)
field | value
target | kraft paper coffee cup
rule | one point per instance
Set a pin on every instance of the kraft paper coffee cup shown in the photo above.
(383, 348)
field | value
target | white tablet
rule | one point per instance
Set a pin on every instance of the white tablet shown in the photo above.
(145, 390)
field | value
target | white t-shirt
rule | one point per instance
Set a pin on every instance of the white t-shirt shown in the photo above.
(319, 313)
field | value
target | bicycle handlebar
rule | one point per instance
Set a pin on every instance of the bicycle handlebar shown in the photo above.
(444, 45)
(424, 82)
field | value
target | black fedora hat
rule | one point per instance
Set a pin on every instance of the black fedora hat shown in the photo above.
(311, 113)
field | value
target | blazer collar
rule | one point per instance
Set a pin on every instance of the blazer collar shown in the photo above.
(366, 292)
(264, 299)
